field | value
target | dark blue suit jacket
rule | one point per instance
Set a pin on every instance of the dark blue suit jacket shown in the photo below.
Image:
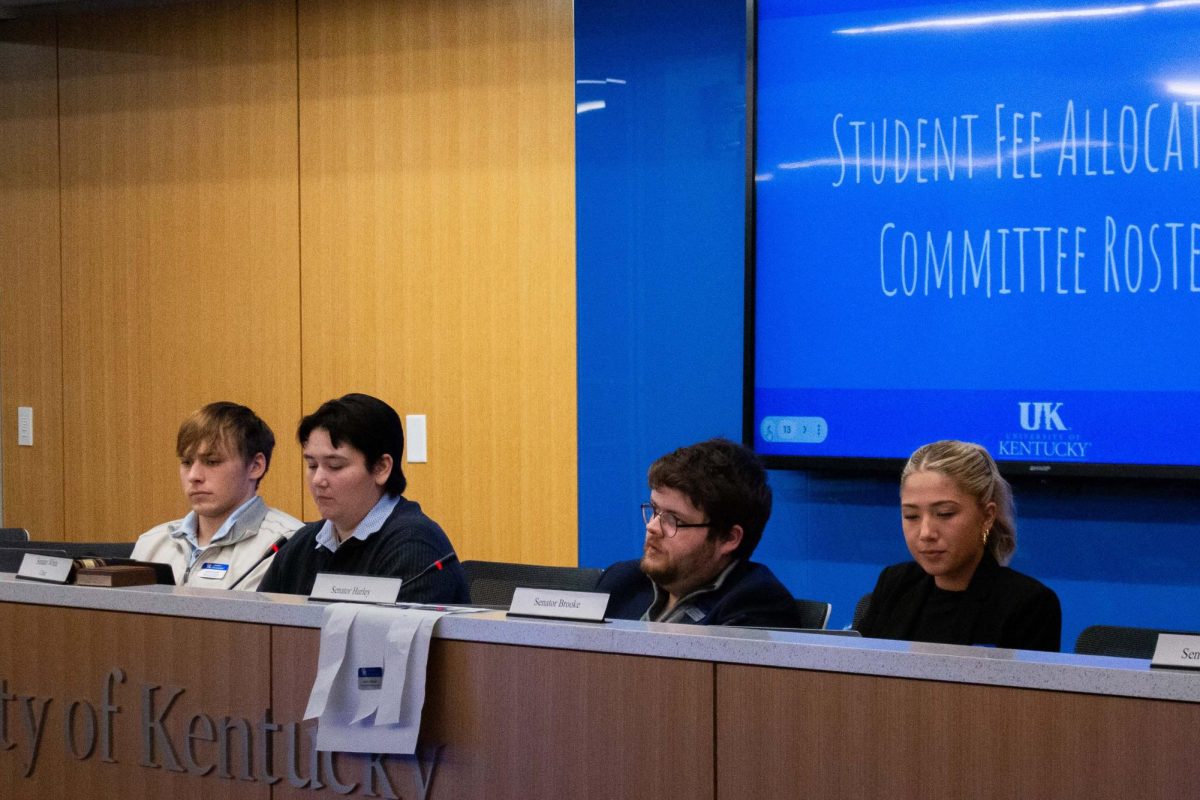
(751, 595)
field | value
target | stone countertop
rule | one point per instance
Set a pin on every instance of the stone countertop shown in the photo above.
(784, 649)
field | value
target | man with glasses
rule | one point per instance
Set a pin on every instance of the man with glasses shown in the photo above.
(708, 506)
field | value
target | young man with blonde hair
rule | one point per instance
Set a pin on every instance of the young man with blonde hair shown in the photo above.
(224, 451)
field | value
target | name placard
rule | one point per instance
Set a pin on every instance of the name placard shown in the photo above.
(51, 569)
(1176, 651)
(354, 588)
(559, 604)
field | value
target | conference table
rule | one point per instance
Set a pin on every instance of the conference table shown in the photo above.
(169, 692)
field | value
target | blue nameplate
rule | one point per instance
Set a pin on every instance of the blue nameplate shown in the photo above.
(370, 677)
(214, 572)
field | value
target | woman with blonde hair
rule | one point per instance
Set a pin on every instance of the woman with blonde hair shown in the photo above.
(958, 521)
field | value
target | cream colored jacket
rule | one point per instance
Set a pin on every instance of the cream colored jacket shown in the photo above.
(253, 534)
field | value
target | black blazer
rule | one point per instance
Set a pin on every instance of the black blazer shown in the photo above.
(1003, 608)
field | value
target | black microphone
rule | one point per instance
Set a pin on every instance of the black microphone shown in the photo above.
(435, 565)
(272, 550)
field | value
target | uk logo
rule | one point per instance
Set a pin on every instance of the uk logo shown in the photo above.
(1041, 417)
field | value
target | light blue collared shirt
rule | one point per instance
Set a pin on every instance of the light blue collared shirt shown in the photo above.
(189, 530)
(370, 524)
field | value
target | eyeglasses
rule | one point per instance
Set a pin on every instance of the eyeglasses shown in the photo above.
(669, 523)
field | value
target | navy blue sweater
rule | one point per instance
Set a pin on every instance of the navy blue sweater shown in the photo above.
(407, 543)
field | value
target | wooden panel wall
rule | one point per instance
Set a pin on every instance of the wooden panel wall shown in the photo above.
(532, 722)
(133, 712)
(798, 733)
(30, 309)
(277, 202)
(436, 168)
(64, 659)
(180, 244)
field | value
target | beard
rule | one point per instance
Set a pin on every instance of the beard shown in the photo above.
(679, 573)
(658, 567)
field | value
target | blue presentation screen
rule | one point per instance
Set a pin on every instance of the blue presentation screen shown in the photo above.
(978, 221)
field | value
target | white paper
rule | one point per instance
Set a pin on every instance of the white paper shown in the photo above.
(384, 720)
(404, 707)
(335, 631)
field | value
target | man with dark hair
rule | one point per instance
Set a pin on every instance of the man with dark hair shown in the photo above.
(708, 506)
(352, 449)
(224, 450)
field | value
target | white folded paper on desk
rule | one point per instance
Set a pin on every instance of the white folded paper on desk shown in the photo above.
(358, 712)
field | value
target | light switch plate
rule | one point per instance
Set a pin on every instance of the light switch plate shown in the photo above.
(414, 438)
(25, 426)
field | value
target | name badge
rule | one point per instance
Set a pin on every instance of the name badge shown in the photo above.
(214, 572)
(370, 677)
(559, 604)
(354, 588)
(50, 569)
(1176, 651)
